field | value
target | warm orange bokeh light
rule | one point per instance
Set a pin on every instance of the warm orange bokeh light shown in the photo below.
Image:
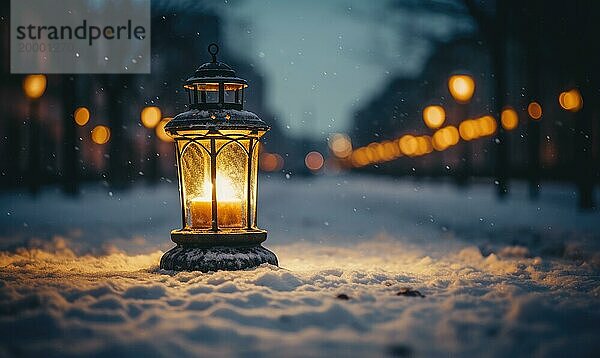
(82, 116)
(461, 87)
(314, 161)
(534, 110)
(392, 149)
(409, 145)
(424, 145)
(271, 162)
(160, 130)
(509, 119)
(452, 133)
(34, 86)
(434, 116)
(101, 134)
(150, 116)
(370, 154)
(376, 151)
(373, 152)
(471, 129)
(438, 142)
(340, 145)
(571, 100)
(382, 153)
(445, 137)
(359, 157)
(468, 129)
(487, 125)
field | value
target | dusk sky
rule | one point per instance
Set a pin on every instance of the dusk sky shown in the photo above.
(323, 59)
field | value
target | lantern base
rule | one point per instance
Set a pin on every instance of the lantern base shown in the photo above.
(223, 237)
(205, 259)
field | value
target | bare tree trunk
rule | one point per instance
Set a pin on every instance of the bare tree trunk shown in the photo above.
(495, 31)
(33, 146)
(583, 142)
(499, 66)
(14, 176)
(533, 82)
(465, 169)
(583, 132)
(152, 172)
(117, 166)
(69, 153)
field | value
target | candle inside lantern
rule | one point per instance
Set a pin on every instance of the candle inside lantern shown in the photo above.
(229, 205)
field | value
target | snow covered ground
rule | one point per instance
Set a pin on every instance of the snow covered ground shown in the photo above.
(80, 277)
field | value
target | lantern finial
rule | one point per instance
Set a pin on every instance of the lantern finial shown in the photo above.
(213, 49)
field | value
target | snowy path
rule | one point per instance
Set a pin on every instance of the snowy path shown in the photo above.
(79, 276)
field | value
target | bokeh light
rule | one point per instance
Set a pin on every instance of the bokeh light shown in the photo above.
(468, 130)
(341, 145)
(150, 116)
(461, 87)
(434, 116)
(451, 133)
(509, 119)
(445, 137)
(534, 110)
(392, 149)
(438, 141)
(487, 125)
(408, 145)
(380, 152)
(359, 157)
(471, 129)
(82, 116)
(160, 130)
(424, 145)
(101, 134)
(314, 161)
(571, 100)
(34, 86)
(270, 162)
(371, 154)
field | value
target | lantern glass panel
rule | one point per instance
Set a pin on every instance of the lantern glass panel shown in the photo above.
(254, 186)
(208, 92)
(195, 183)
(232, 183)
(233, 92)
(230, 96)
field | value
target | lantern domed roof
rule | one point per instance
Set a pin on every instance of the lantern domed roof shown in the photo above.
(216, 97)
(198, 119)
(214, 71)
(211, 69)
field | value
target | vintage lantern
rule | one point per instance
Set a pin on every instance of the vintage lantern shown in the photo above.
(217, 145)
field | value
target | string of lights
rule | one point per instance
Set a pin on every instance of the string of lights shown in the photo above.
(412, 145)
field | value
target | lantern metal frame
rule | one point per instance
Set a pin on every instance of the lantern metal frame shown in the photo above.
(217, 248)
(216, 234)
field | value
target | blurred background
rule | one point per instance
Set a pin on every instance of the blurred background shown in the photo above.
(452, 90)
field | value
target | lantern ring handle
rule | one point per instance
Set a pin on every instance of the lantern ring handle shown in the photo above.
(213, 49)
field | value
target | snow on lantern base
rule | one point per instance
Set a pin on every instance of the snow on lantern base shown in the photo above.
(206, 259)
